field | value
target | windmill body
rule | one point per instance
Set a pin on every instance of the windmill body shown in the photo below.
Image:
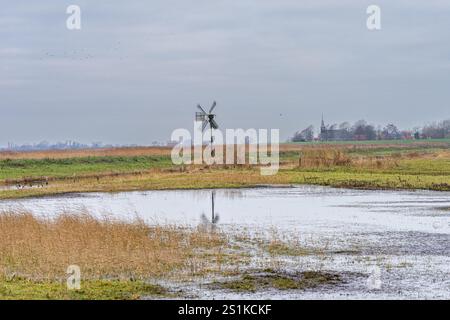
(207, 118)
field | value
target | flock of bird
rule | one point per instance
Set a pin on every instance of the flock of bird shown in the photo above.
(80, 55)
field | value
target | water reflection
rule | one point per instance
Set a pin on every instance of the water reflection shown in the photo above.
(230, 194)
(205, 222)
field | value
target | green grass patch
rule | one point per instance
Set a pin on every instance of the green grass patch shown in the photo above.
(19, 168)
(22, 289)
(280, 281)
(370, 180)
(286, 249)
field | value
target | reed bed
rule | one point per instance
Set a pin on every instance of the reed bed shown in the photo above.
(339, 157)
(379, 162)
(323, 157)
(103, 248)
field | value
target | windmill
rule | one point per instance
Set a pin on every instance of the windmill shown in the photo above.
(207, 118)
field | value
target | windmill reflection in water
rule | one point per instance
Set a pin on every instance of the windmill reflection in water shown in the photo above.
(205, 222)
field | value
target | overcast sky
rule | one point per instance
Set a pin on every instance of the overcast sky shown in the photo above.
(137, 69)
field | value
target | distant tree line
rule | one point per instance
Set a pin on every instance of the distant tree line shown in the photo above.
(45, 145)
(437, 130)
(361, 130)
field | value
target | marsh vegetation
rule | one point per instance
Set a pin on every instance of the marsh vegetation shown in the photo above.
(118, 259)
(389, 165)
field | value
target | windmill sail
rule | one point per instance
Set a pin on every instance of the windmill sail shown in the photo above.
(214, 124)
(212, 107)
(205, 123)
(200, 108)
(207, 117)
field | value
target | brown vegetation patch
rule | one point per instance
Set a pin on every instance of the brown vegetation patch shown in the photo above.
(79, 153)
(43, 248)
(323, 157)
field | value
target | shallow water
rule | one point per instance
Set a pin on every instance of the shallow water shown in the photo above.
(297, 208)
(404, 234)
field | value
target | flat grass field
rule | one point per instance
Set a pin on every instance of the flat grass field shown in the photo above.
(369, 165)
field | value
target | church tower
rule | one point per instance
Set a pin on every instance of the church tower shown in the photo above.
(323, 130)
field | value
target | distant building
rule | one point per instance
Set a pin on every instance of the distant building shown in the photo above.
(328, 133)
(171, 143)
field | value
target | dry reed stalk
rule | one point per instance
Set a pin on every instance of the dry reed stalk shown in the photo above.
(323, 157)
(43, 248)
(380, 162)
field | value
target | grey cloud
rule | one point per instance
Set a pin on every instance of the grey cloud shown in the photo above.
(137, 69)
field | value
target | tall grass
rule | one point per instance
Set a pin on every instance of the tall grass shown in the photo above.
(339, 157)
(323, 157)
(43, 248)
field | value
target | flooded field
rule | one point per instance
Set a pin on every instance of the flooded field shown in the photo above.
(382, 244)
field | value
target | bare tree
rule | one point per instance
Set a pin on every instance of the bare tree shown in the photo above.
(437, 130)
(304, 135)
(390, 132)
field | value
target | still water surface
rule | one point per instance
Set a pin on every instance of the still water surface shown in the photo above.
(295, 208)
